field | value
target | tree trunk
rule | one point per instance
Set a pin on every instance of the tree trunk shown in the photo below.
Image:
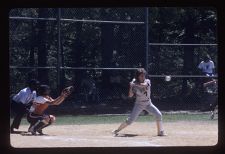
(42, 52)
(157, 49)
(78, 49)
(107, 50)
(137, 50)
(31, 73)
(62, 79)
(188, 51)
(118, 43)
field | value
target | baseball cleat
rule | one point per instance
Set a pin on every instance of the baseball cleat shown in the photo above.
(31, 129)
(40, 132)
(12, 131)
(162, 133)
(115, 132)
(33, 132)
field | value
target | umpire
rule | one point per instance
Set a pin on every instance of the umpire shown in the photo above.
(21, 103)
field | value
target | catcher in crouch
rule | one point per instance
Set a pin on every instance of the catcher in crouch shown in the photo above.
(140, 87)
(36, 117)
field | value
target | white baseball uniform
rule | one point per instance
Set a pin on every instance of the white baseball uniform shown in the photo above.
(143, 101)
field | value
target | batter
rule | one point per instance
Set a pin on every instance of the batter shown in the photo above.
(141, 88)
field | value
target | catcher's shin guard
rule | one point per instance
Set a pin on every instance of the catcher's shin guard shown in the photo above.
(38, 126)
(46, 125)
(40, 129)
(52, 119)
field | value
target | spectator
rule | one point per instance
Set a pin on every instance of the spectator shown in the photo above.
(207, 66)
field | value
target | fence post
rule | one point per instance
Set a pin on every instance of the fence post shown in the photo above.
(146, 39)
(58, 49)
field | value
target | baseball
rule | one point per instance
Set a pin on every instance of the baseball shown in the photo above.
(167, 78)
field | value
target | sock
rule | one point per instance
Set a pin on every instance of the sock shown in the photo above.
(159, 126)
(122, 126)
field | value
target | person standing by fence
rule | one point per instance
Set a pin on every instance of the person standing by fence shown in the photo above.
(207, 66)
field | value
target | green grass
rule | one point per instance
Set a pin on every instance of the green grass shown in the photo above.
(109, 119)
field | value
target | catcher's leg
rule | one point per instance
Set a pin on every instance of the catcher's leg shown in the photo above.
(50, 120)
(37, 127)
(33, 119)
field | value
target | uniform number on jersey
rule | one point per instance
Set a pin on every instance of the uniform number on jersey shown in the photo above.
(146, 93)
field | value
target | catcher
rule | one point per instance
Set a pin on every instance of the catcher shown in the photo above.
(36, 117)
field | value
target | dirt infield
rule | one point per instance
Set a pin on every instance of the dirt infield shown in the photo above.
(182, 133)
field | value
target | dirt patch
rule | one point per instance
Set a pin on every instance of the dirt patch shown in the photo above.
(183, 133)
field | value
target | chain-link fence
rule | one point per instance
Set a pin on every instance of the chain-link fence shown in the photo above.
(97, 50)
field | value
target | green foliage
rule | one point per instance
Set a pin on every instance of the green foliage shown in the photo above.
(83, 42)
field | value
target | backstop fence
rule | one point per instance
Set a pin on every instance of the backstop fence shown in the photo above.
(97, 50)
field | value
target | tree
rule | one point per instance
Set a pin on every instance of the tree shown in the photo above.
(31, 74)
(77, 54)
(188, 50)
(87, 44)
(107, 47)
(42, 51)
